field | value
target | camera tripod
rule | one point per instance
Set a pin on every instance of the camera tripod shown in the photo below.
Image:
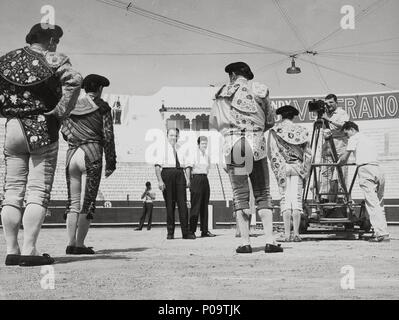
(333, 209)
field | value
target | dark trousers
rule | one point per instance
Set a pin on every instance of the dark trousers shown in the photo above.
(175, 192)
(200, 193)
(147, 207)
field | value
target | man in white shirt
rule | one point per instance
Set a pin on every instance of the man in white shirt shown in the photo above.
(169, 169)
(148, 197)
(335, 117)
(199, 190)
(371, 177)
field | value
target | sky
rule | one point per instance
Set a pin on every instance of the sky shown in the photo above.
(100, 38)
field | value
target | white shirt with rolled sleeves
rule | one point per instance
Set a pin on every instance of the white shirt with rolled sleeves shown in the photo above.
(363, 149)
(165, 157)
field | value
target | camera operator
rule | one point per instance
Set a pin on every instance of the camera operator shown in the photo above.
(336, 117)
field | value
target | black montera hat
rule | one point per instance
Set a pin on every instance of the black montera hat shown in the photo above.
(240, 66)
(96, 80)
(287, 109)
(43, 28)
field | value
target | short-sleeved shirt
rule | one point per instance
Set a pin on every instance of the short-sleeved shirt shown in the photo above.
(200, 163)
(338, 116)
(363, 149)
(148, 198)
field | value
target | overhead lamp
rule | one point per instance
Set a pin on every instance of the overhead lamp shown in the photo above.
(293, 69)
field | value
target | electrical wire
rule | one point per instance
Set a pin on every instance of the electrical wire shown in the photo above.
(359, 44)
(189, 27)
(297, 34)
(364, 13)
(351, 75)
(165, 53)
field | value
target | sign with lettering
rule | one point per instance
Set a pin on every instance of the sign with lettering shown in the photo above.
(372, 106)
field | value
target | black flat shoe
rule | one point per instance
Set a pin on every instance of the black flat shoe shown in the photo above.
(170, 237)
(207, 234)
(69, 249)
(271, 248)
(83, 250)
(244, 249)
(190, 236)
(30, 261)
(379, 239)
(12, 259)
(137, 229)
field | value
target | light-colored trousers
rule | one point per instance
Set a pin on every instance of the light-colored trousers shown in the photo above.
(372, 183)
(329, 176)
(291, 197)
(77, 172)
(30, 172)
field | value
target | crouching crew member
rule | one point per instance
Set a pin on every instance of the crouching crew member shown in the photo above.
(371, 178)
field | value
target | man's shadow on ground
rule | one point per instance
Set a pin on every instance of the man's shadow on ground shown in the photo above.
(77, 258)
(99, 255)
(121, 250)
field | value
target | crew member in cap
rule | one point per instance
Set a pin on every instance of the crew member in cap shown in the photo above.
(242, 113)
(38, 89)
(89, 133)
(290, 157)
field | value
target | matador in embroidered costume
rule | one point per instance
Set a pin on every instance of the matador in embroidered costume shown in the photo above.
(290, 159)
(90, 128)
(89, 133)
(242, 113)
(38, 89)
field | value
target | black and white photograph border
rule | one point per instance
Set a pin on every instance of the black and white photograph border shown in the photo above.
(125, 76)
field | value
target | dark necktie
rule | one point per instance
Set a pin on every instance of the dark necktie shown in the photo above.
(177, 159)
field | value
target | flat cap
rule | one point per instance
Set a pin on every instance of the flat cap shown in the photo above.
(95, 80)
(287, 109)
(242, 67)
(43, 29)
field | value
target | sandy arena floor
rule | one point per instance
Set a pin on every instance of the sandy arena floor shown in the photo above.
(144, 265)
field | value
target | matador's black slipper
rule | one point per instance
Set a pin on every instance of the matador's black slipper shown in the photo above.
(83, 250)
(12, 259)
(30, 261)
(69, 249)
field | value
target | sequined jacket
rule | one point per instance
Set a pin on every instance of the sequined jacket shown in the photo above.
(243, 109)
(32, 83)
(93, 132)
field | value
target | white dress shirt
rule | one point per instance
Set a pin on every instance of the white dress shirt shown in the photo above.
(166, 158)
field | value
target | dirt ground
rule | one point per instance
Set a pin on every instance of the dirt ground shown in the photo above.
(144, 265)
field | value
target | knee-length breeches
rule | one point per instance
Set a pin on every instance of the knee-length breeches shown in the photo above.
(29, 174)
(83, 182)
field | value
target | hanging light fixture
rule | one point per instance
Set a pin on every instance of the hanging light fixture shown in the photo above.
(293, 69)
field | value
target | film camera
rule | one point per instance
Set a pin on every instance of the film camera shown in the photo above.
(318, 106)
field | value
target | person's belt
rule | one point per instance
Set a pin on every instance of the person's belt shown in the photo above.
(172, 168)
(200, 174)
